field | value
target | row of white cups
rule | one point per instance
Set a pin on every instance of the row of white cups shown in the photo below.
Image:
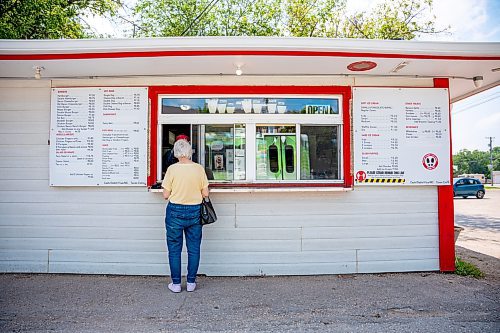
(221, 106)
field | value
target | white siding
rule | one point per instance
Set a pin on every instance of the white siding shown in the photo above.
(120, 230)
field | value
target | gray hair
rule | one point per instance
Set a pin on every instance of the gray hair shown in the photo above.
(182, 148)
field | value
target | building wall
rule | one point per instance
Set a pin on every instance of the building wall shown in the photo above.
(120, 230)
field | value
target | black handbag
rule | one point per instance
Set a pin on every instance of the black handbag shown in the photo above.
(207, 212)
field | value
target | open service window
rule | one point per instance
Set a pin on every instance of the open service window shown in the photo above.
(220, 148)
(249, 139)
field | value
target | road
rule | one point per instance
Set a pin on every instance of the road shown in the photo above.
(481, 222)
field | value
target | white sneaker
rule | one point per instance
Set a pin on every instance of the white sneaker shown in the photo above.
(191, 286)
(175, 288)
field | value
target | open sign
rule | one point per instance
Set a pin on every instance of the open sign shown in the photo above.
(318, 109)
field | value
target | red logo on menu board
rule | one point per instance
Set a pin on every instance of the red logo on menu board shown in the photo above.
(430, 161)
(360, 176)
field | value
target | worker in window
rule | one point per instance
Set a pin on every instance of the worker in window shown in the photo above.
(169, 157)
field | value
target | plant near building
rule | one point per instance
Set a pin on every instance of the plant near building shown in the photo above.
(464, 268)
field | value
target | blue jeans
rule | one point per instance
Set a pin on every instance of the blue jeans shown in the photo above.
(181, 219)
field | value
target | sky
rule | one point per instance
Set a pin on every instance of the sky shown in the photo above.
(475, 118)
(478, 117)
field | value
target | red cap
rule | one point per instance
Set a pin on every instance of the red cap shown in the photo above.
(182, 137)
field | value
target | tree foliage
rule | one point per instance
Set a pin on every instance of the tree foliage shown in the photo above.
(400, 19)
(162, 18)
(393, 19)
(50, 19)
(476, 161)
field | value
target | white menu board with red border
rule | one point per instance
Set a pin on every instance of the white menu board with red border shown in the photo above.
(401, 136)
(98, 136)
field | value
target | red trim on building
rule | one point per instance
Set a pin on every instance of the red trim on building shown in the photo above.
(446, 215)
(346, 137)
(345, 92)
(153, 54)
(274, 185)
(153, 135)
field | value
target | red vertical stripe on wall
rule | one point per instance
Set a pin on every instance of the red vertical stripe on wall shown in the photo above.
(446, 214)
(346, 146)
(153, 135)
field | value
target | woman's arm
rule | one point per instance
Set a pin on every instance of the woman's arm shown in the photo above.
(166, 194)
(204, 192)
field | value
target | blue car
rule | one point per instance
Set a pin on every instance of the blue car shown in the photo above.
(464, 187)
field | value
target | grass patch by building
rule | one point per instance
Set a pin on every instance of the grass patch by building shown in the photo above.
(464, 268)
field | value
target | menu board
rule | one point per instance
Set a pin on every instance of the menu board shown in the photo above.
(401, 136)
(98, 136)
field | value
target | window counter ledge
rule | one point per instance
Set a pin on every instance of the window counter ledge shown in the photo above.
(274, 189)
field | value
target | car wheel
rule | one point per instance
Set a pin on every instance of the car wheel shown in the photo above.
(480, 194)
(464, 196)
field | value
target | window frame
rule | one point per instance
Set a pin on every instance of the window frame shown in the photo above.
(342, 120)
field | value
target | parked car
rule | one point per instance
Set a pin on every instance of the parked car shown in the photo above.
(464, 187)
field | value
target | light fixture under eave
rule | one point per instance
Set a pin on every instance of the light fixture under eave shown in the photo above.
(400, 66)
(238, 71)
(478, 81)
(38, 72)
(361, 66)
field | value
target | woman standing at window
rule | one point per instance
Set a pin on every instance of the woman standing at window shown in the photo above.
(185, 185)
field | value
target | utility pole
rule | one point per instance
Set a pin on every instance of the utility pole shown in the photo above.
(491, 157)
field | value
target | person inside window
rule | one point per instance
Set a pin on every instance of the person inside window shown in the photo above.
(169, 157)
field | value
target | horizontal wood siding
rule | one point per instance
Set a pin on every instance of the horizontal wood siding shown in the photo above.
(120, 230)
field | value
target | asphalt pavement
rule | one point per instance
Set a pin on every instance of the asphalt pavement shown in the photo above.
(402, 302)
(480, 219)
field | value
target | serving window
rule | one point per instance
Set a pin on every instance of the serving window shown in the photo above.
(256, 139)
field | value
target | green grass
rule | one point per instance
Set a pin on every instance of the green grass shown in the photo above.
(489, 187)
(464, 268)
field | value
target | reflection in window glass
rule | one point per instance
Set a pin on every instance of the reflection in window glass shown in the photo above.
(319, 152)
(276, 152)
(255, 105)
(239, 152)
(225, 152)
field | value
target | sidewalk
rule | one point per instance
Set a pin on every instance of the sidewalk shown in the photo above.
(410, 302)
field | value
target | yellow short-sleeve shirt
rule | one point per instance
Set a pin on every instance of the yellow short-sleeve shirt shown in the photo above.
(185, 182)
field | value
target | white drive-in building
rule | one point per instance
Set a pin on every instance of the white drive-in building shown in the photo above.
(324, 156)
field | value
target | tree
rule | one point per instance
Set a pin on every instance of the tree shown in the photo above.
(476, 161)
(393, 19)
(398, 19)
(50, 19)
(314, 18)
(208, 17)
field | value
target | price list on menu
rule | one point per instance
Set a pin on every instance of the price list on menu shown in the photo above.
(98, 136)
(401, 136)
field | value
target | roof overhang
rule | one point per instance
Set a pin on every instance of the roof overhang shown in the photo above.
(257, 56)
